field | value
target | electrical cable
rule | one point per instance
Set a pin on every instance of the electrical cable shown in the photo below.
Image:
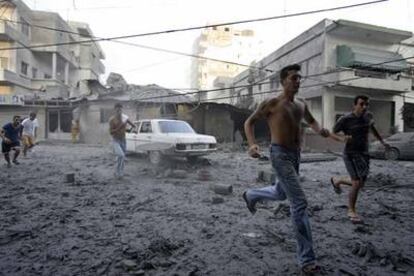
(196, 27)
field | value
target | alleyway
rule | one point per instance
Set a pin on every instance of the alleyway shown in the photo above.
(170, 221)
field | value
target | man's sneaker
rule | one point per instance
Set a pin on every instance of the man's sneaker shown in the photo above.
(16, 162)
(8, 165)
(249, 205)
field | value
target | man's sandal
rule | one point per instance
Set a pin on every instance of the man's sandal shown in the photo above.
(336, 188)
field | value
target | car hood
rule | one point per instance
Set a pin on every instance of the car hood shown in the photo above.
(186, 138)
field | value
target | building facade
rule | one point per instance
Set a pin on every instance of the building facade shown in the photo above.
(42, 66)
(221, 43)
(340, 59)
(40, 56)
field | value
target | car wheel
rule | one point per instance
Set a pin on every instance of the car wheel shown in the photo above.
(155, 157)
(392, 154)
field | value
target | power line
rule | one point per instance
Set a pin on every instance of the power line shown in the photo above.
(135, 45)
(261, 81)
(196, 27)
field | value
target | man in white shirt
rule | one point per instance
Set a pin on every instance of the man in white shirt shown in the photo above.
(29, 132)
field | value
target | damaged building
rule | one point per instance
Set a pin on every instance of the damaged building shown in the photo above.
(153, 101)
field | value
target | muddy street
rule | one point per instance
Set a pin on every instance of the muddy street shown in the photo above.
(177, 220)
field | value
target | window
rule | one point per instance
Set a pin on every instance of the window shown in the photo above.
(34, 72)
(274, 82)
(25, 27)
(226, 29)
(146, 127)
(250, 91)
(175, 127)
(4, 62)
(105, 114)
(47, 76)
(24, 67)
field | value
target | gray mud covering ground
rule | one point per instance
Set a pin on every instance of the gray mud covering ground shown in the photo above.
(171, 222)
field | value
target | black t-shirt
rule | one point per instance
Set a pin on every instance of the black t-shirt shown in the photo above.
(358, 128)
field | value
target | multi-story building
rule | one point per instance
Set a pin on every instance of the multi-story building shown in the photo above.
(41, 60)
(59, 69)
(341, 59)
(221, 43)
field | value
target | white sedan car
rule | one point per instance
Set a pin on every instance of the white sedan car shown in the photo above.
(158, 137)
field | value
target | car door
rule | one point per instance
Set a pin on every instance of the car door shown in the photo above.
(144, 136)
(132, 137)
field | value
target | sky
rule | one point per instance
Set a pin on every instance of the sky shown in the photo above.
(110, 18)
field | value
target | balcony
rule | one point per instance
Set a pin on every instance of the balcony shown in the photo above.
(52, 89)
(10, 33)
(394, 83)
(9, 77)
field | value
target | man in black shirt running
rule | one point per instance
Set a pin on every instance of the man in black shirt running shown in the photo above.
(356, 125)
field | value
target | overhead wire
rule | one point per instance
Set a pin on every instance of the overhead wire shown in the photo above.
(132, 44)
(337, 70)
(196, 27)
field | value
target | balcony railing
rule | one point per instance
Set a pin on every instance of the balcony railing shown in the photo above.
(397, 83)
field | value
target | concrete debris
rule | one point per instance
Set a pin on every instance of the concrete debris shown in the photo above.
(217, 200)
(222, 189)
(143, 225)
(69, 178)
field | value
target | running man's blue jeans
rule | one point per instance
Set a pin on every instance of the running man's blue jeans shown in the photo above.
(119, 150)
(286, 164)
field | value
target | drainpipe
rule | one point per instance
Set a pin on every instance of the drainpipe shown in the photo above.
(54, 62)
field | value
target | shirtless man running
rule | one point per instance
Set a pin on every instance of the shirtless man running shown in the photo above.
(284, 115)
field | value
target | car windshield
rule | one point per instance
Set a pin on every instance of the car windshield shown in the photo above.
(175, 127)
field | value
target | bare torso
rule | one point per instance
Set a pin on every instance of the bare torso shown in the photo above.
(284, 118)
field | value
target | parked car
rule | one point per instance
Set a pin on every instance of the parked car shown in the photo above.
(402, 147)
(159, 138)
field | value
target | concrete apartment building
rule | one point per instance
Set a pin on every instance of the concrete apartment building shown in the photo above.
(54, 71)
(222, 43)
(58, 70)
(342, 59)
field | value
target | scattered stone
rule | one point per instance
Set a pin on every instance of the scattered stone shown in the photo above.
(222, 189)
(217, 200)
(69, 177)
(128, 264)
(251, 235)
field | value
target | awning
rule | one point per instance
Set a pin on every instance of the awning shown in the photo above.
(356, 57)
